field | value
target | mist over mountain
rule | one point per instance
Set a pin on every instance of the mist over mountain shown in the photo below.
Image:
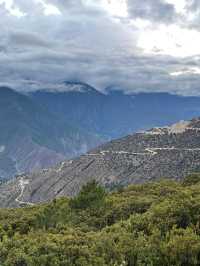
(114, 114)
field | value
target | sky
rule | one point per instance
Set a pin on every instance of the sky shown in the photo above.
(134, 45)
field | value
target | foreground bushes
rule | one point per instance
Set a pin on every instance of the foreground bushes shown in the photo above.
(142, 225)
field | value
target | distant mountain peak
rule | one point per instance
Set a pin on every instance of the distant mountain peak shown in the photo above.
(7, 90)
(70, 86)
(79, 86)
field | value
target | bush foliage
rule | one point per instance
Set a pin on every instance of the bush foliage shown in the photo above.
(154, 224)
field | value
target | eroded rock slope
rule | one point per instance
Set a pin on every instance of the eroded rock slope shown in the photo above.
(169, 152)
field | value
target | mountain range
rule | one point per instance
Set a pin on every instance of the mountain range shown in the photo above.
(114, 114)
(42, 128)
(32, 137)
(161, 152)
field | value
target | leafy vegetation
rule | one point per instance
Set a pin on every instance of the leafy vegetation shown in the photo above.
(154, 224)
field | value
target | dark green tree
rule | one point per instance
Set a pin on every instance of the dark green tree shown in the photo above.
(191, 179)
(92, 195)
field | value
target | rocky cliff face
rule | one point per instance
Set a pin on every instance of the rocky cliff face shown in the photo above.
(168, 152)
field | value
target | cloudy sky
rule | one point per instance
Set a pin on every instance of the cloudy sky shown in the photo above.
(148, 45)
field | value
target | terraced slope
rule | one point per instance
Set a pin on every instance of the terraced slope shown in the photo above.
(171, 152)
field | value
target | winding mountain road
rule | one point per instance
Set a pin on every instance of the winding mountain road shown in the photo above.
(153, 151)
(23, 182)
(22, 185)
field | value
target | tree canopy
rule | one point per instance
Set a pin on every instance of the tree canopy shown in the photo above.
(154, 224)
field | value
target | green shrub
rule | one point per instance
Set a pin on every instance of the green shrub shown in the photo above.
(92, 195)
(154, 224)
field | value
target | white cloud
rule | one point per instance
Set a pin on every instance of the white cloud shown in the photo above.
(49, 9)
(9, 6)
(186, 71)
(172, 40)
(116, 8)
(137, 45)
(178, 4)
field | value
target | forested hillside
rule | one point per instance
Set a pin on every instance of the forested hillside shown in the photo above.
(149, 224)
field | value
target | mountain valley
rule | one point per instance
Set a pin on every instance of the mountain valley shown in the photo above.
(32, 137)
(44, 127)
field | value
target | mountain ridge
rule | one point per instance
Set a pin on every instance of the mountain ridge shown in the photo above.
(113, 114)
(171, 152)
(31, 137)
(41, 128)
